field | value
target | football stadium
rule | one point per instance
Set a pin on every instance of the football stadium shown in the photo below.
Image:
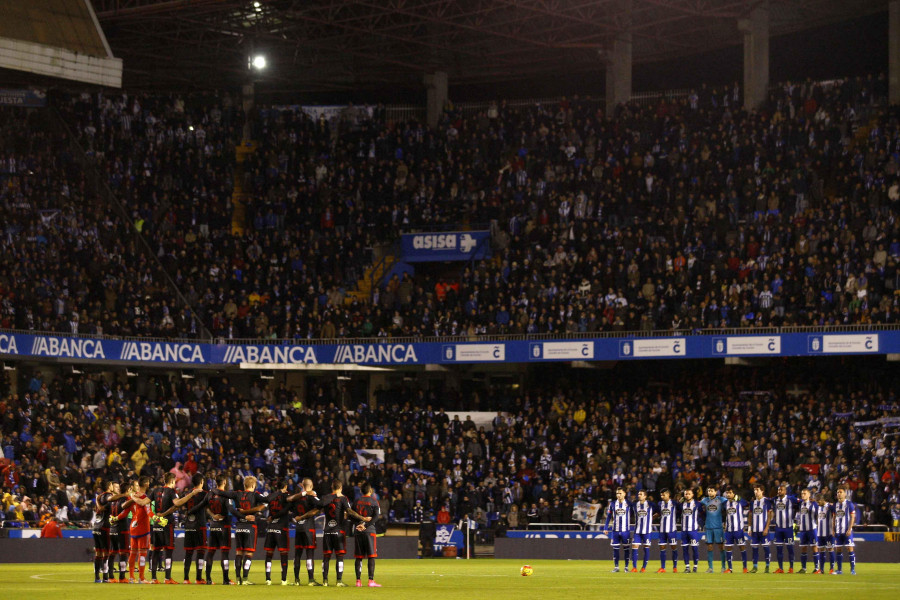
(448, 296)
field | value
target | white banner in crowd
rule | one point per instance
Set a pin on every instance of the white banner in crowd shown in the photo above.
(370, 456)
(586, 512)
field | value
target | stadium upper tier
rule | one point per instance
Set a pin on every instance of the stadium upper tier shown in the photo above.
(677, 215)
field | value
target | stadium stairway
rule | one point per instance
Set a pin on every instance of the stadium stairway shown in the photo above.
(372, 276)
(239, 196)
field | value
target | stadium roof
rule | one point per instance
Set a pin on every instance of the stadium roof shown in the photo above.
(331, 45)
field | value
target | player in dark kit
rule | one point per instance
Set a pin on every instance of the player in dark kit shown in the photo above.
(305, 533)
(337, 507)
(366, 546)
(195, 529)
(119, 536)
(248, 503)
(162, 532)
(101, 529)
(218, 509)
(278, 530)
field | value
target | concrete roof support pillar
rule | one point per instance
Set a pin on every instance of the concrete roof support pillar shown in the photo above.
(756, 56)
(436, 88)
(894, 51)
(618, 72)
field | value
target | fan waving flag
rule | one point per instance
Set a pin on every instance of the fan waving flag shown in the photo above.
(369, 457)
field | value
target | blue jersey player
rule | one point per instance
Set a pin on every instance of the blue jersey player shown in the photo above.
(807, 521)
(714, 507)
(760, 518)
(668, 529)
(691, 515)
(785, 507)
(643, 527)
(825, 534)
(844, 513)
(735, 521)
(619, 512)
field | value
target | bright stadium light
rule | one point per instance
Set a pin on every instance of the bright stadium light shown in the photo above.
(258, 62)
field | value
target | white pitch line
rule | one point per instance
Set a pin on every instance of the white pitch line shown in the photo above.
(41, 578)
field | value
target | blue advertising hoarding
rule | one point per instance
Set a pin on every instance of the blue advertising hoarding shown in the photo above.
(446, 352)
(444, 246)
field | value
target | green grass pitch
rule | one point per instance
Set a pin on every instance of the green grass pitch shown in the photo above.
(446, 579)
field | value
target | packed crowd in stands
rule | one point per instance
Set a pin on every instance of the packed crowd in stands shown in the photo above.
(558, 442)
(681, 214)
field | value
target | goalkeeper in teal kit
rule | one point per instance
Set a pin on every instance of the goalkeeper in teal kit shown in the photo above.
(714, 506)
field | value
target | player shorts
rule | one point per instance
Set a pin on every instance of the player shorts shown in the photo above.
(690, 538)
(162, 538)
(141, 542)
(245, 537)
(277, 538)
(734, 537)
(825, 541)
(668, 537)
(305, 537)
(219, 538)
(641, 538)
(715, 536)
(784, 535)
(116, 541)
(366, 545)
(101, 540)
(808, 538)
(334, 542)
(195, 539)
(758, 539)
(842, 539)
(619, 538)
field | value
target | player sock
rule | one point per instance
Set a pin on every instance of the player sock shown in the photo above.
(169, 563)
(728, 556)
(142, 565)
(831, 556)
(674, 559)
(296, 569)
(852, 560)
(371, 566)
(225, 570)
(634, 557)
(326, 562)
(817, 556)
(646, 556)
(111, 566)
(744, 557)
(247, 563)
(616, 555)
(722, 558)
(358, 569)
(779, 551)
(662, 559)
(200, 566)
(803, 560)
(755, 556)
(339, 567)
(695, 550)
(188, 558)
(268, 568)
(790, 550)
(97, 561)
(709, 558)
(840, 561)
(123, 565)
(768, 552)
(284, 567)
(310, 570)
(686, 551)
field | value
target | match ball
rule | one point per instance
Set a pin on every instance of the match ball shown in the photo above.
(526, 571)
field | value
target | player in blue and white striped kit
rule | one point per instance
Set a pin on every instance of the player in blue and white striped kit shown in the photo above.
(760, 518)
(643, 527)
(825, 538)
(807, 520)
(785, 507)
(844, 513)
(691, 515)
(735, 521)
(668, 529)
(619, 512)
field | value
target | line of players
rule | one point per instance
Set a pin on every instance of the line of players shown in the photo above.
(134, 526)
(729, 521)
